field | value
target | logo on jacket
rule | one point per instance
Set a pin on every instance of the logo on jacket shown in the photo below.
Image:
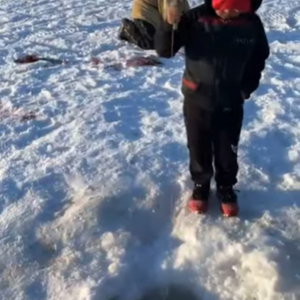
(244, 41)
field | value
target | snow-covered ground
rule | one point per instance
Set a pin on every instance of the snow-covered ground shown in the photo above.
(92, 191)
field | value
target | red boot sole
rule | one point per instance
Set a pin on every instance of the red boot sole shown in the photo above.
(229, 212)
(197, 207)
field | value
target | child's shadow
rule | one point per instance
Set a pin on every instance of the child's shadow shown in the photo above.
(171, 292)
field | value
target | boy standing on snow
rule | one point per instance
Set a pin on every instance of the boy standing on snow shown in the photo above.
(226, 48)
(146, 16)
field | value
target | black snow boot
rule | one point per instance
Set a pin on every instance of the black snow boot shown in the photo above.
(228, 201)
(198, 202)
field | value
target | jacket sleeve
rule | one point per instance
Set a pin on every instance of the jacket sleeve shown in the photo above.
(168, 41)
(256, 63)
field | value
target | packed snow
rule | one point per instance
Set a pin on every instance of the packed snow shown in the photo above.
(94, 167)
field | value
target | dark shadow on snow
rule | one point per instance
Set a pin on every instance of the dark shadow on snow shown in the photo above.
(35, 291)
(172, 292)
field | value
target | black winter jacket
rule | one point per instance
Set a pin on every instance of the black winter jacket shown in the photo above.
(223, 58)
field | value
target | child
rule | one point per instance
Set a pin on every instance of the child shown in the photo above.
(226, 48)
(147, 15)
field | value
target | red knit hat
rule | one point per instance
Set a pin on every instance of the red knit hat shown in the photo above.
(240, 5)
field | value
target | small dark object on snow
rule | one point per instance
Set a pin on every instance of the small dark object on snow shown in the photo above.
(143, 61)
(137, 61)
(96, 61)
(27, 117)
(34, 58)
(27, 59)
(116, 66)
(53, 60)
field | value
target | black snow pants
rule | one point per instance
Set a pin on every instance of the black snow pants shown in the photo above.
(138, 32)
(213, 137)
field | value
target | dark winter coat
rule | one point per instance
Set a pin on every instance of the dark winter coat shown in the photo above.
(223, 58)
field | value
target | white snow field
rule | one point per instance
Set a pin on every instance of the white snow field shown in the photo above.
(93, 190)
